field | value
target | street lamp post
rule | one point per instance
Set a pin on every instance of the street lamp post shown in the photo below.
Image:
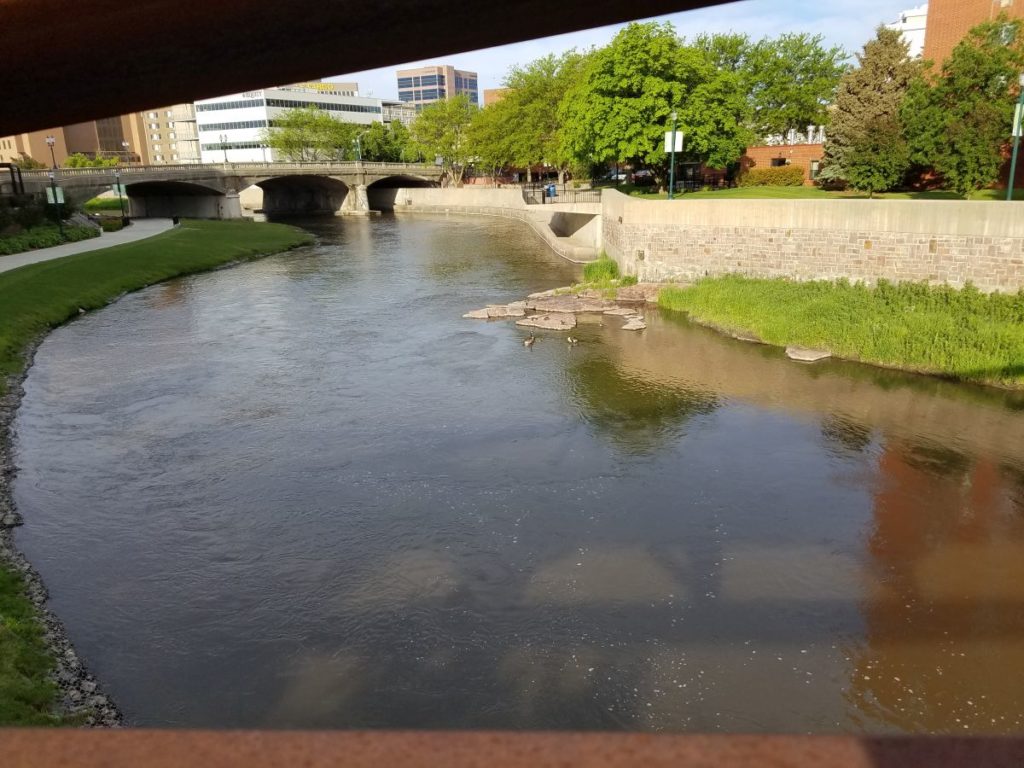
(127, 155)
(50, 141)
(672, 162)
(120, 200)
(359, 147)
(56, 202)
(1017, 116)
(224, 146)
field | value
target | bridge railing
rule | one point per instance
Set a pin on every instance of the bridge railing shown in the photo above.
(191, 168)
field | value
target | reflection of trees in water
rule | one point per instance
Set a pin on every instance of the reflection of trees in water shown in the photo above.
(845, 435)
(640, 416)
(944, 617)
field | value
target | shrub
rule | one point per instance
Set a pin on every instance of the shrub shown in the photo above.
(111, 225)
(783, 176)
(628, 280)
(44, 237)
(600, 270)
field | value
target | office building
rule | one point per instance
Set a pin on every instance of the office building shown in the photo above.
(425, 85)
(169, 135)
(230, 128)
(120, 137)
(911, 25)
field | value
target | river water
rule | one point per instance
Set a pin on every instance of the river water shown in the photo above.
(303, 492)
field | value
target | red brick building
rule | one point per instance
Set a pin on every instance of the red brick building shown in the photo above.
(805, 156)
(950, 20)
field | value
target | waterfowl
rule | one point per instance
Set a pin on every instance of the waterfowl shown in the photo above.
(528, 341)
(572, 340)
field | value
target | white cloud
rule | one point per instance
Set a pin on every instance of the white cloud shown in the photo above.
(847, 23)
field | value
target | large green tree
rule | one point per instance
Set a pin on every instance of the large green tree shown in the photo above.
(530, 110)
(960, 122)
(621, 105)
(865, 144)
(791, 80)
(441, 131)
(491, 138)
(386, 143)
(310, 134)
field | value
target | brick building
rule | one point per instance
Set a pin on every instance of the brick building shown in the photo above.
(805, 156)
(950, 20)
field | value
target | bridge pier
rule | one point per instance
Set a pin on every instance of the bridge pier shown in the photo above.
(357, 203)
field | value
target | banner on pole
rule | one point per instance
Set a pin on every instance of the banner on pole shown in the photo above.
(119, 189)
(1017, 133)
(679, 141)
(49, 195)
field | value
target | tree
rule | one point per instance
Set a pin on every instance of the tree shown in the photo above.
(791, 81)
(310, 134)
(621, 105)
(959, 124)
(530, 110)
(728, 52)
(386, 143)
(440, 131)
(866, 116)
(78, 160)
(877, 159)
(491, 138)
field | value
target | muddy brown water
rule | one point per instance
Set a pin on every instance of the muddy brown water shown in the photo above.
(304, 492)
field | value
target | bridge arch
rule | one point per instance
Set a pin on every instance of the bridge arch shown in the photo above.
(166, 199)
(297, 195)
(383, 192)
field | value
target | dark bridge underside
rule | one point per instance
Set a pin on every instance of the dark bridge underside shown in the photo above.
(158, 52)
(297, 195)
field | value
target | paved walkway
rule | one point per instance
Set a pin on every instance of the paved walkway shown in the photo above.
(139, 230)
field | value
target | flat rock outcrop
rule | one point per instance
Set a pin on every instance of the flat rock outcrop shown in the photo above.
(570, 304)
(807, 355)
(559, 321)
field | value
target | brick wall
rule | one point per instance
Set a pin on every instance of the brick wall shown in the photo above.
(938, 242)
(950, 20)
(801, 155)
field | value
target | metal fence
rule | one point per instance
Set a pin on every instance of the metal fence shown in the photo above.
(548, 194)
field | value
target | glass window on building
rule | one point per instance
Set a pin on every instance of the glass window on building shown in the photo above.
(151, 115)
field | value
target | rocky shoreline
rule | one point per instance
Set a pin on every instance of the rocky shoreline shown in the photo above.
(81, 698)
(556, 310)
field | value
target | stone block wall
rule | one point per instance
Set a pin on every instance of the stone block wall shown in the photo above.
(938, 242)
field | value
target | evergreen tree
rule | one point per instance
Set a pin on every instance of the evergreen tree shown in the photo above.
(960, 124)
(865, 144)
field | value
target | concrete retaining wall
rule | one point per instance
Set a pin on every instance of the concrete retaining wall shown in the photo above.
(951, 242)
(572, 231)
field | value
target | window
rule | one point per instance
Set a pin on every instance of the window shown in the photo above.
(405, 82)
(151, 115)
(156, 147)
(154, 126)
(232, 126)
(169, 113)
(779, 162)
(155, 136)
(290, 104)
(230, 105)
(815, 169)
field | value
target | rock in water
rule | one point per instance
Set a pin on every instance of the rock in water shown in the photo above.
(477, 314)
(555, 322)
(635, 324)
(807, 355)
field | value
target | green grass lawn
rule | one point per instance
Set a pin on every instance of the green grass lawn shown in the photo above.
(807, 193)
(98, 204)
(964, 335)
(37, 298)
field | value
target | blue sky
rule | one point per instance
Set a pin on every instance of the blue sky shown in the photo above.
(849, 23)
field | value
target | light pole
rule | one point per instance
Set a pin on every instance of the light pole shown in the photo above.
(224, 146)
(50, 141)
(1017, 115)
(56, 202)
(127, 155)
(672, 162)
(120, 200)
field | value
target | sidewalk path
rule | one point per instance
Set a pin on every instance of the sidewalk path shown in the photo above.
(139, 230)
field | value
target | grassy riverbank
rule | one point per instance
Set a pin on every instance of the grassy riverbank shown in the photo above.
(964, 334)
(37, 298)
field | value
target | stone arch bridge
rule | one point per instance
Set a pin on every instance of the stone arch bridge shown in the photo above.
(212, 190)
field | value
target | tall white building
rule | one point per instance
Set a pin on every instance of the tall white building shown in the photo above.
(230, 127)
(911, 25)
